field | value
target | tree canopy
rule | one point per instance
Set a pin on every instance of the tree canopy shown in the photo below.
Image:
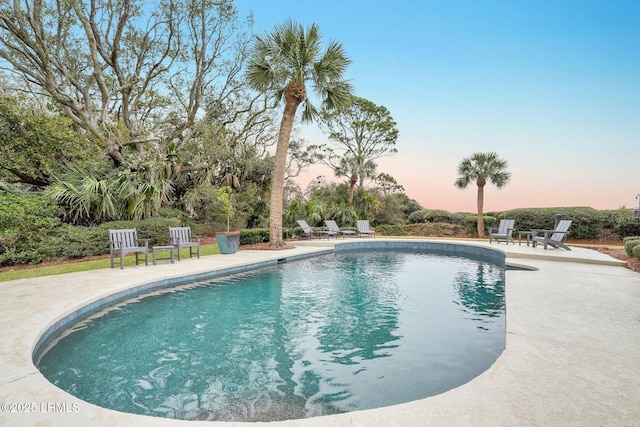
(361, 132)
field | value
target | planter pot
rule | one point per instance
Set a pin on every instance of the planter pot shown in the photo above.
(228, 242)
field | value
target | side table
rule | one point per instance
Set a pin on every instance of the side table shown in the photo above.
(157, 249)
(527, 234)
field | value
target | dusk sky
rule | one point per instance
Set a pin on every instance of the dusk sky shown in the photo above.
(552, 86)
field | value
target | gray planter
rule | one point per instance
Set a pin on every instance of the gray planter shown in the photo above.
(228, 242)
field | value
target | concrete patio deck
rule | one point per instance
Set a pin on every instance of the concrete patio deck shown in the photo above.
(572, 355)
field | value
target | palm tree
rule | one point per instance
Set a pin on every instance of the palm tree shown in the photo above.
(355, 167)
(482, 167)
(281, 63)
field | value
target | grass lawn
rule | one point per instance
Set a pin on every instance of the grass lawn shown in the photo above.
(72, 267)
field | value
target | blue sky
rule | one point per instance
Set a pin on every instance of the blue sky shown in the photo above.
(552, 86)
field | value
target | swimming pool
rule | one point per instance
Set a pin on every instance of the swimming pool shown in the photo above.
(325, 335)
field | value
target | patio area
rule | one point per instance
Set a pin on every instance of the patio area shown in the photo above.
(572, 354)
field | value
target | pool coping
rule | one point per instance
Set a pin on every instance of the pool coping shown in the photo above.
(582, 375)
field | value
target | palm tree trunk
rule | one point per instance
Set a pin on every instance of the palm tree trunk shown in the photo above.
(481, 233)
(352, 187)
(279, 167)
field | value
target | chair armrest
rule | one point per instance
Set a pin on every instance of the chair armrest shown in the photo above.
(145, 241)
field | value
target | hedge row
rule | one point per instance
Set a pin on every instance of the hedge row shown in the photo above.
(587, 223)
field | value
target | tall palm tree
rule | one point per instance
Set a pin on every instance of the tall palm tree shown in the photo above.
(282, 63)
(482, 167)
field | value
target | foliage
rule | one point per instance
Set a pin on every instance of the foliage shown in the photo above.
(432, 215)
(470, 223)
(37, 142)
(253, 236)
(391, 230)
(24, 221)
(361, 132)
(418, 217)
(435, 229)
(630, 245)
(224, 197)
(482, 168)
(620, 222)
(90, 199)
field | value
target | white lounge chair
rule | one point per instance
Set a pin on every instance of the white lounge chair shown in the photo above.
(333, 227)
(503, 232)
(364, 228)
(307, 231)
(554, 237)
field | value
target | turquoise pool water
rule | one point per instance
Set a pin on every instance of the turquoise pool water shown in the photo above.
(325, 335)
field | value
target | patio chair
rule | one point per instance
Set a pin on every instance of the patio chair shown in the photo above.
(364, 228)
(181, 237)
(125, 241)
(503, 232)
(554, 237)
(333, 227)
(307, 231)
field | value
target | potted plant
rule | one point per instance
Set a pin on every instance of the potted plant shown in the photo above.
(228, 241)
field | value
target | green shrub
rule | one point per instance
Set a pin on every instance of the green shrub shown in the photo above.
(630, 244)
(636, 251)
(418, 217)
(620, 222)
(69, 242)
(440, 229)
(391, 230)
(25, 220)
(254, 235)
(435, 215)
(470, 223)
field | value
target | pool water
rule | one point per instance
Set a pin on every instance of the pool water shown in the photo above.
(325, 335)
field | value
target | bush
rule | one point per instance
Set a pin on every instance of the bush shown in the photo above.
(418, 217)
(440, 229)
(253, 236)
(436, 215)
(620, 222)
(391, 230)
(68, 242)
(636, 251)
(25, 220)
(470, 223)
(630, 244)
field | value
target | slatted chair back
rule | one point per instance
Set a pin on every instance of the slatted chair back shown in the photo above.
(505, 228)
(562, 228)
(305, 227)
(332, 225)
(364, 227)
(124, 238)
(180, 234)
